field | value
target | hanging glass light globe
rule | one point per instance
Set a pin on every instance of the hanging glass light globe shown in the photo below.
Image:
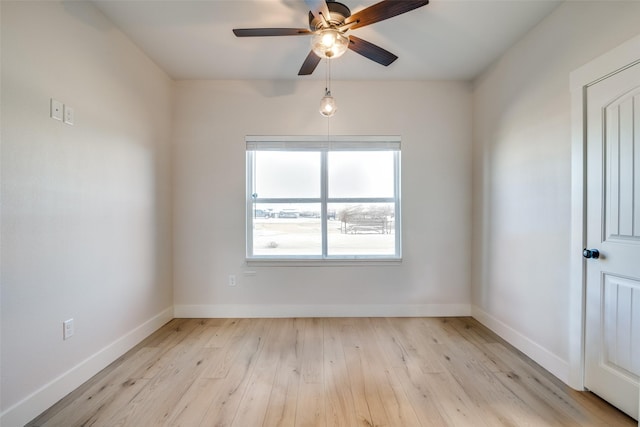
(327, 104)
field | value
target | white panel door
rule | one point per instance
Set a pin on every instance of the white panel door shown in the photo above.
(612, 351)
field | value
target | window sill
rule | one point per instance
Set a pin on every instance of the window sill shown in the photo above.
(310, 262)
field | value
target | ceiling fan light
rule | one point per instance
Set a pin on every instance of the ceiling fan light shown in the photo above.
(328, 105)
(329, 43)
(328, 39)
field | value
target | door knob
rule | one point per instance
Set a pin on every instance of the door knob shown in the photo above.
(591, 253)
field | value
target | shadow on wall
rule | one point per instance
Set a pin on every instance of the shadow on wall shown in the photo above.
(275, 88)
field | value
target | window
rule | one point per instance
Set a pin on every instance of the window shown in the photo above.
(310, 199)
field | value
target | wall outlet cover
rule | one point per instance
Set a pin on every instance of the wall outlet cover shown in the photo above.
(67, 329)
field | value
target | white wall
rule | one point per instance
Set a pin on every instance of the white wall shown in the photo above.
(86, 208)
(211, 121)
(522, 172)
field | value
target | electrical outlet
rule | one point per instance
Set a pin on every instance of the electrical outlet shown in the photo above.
(67, 329)
(232, 280)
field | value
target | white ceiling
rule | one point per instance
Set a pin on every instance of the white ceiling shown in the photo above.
(447, 39)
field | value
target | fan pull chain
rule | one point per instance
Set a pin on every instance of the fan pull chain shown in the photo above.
(327, 88)
(327, 75)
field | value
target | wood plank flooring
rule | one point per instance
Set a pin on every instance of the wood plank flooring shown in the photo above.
(327, 372)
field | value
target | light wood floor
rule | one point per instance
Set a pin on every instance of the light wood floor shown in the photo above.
(327, 372)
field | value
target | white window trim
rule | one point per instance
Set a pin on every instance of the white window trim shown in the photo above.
(324, 145)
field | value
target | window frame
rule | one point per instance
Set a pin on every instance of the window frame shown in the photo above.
(323, 145)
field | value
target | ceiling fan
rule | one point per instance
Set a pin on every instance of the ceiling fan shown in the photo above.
(329, 21)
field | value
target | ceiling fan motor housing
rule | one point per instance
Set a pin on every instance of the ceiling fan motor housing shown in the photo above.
(338, 11)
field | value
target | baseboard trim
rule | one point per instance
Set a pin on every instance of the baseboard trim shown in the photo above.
(539, 354)
(34, 404)
(368, 310)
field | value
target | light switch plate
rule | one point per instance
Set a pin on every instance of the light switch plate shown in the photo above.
(69, 115)
(56, 109)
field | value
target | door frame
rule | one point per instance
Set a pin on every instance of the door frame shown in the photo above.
(612, 62)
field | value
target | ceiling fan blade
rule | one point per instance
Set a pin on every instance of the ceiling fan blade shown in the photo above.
(309, 64)
(318, 7)
(371, 51)
(267, 32)
(383, 10)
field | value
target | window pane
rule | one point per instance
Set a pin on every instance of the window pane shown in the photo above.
(360, 174)
(361, 229)
(281, 229)
(292, 182)
(283, 174)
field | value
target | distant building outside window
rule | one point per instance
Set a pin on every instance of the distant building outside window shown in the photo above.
(313, 199)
